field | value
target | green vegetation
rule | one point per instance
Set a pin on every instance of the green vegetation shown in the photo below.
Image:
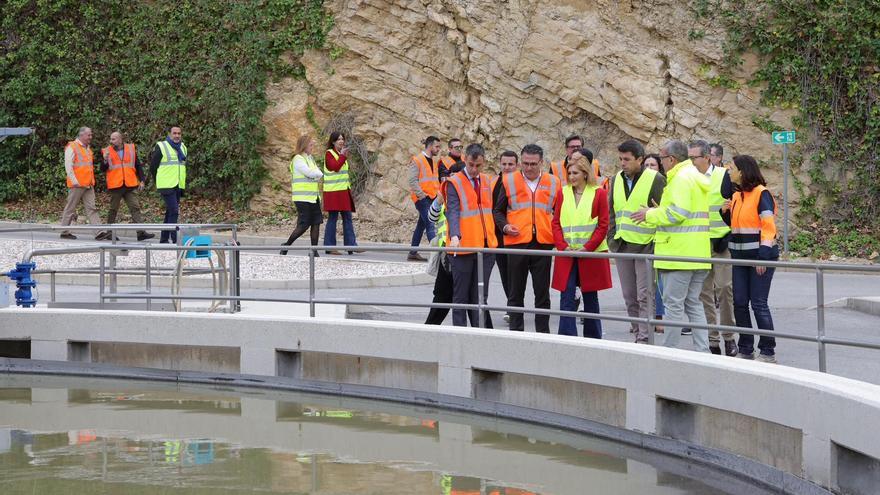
(140, 66)
(823, 59)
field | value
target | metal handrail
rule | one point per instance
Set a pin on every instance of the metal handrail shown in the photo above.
(821, 339)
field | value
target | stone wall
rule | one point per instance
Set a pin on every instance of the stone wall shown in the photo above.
(509, 73)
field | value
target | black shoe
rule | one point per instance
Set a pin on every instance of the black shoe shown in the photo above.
(103, 236)
(415, 257)
(283, 252)
(67, 235)
(730, 348)
(714, 349)
(687, 331)
(143, 236)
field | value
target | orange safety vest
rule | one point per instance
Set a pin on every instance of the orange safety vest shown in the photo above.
(428, 179)
(447, 162)
(475, 219)
(749, 228)
(121, 171)
(83, 165)
(530, 212)
(557, 169)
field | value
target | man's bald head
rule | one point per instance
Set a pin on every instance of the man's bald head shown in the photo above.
(116, 139)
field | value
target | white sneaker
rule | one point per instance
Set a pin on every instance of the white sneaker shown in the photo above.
(764, 358)
(506, 317)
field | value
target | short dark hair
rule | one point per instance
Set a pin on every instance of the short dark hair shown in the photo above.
(702, 145)
(172, 126)
(532, 149)
(586, 153)
(510, 153)
(632, 146)
(572, 138)
(655, 156)
(453, 140)
(475, 150)
(333, 137)
(750, 173)
(718, 148)
(430, 140)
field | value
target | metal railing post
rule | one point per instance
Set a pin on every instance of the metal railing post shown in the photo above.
(820, 320)
(113, 265)
(52, 286)
(236, 278)
(312, 281)
(652, 311)
(480, 283)
(149, 277)
(101, 278)
(230, 273)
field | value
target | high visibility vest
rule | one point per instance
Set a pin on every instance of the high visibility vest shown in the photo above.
(750, 229)
(447, 162)
(83, 165)
(336, 181)
(428, 179)
(475, 219)
(442, 227)
(717, 227)
(558, 169)
(121, 170)
(577, 220)
(303, 188)
(530, 212)
(172, 171)
(688, 234)
(628, 230)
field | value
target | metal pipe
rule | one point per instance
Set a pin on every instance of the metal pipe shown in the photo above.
(101, 279)
(148, 281)
(480, 282)
(652, 311)
(312, 282)
(820, 320)
(52, 286)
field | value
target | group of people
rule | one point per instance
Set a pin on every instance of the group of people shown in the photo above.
(121, 164)
(682, 202)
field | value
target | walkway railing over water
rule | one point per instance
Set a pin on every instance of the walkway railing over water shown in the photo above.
(234, 296)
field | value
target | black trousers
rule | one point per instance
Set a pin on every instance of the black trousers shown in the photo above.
(501, 261)
(518, 269)
(465, 290)
(442, 294)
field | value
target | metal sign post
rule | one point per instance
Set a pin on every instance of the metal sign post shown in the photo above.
(784, 138)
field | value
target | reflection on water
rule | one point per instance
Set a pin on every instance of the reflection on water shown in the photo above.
(107, 437)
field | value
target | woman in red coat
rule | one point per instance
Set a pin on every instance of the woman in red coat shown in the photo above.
(337, 193)
(580, 223)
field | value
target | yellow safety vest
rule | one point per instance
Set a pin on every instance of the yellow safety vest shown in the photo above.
(172, 172)
(717, 227)
(336, 181)
(303, 188)
(628, 230)
(682, 219)
(577, 220)
(441, 227)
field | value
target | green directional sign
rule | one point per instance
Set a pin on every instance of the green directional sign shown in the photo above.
(783, 137)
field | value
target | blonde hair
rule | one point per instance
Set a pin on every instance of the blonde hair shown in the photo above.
(302, 143)
(586, 168)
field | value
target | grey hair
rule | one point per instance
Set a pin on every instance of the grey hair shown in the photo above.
(82, 130)
(475, 150)
(676, 149)
(702, 145)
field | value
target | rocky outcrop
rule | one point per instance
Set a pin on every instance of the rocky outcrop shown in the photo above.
(508, 73)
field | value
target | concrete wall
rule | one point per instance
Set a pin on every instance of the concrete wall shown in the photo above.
(805, 423)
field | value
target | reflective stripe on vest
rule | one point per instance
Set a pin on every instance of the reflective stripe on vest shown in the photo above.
(336, 181)
(746, 223)
(428, 179)
(172, 171)
(577, 220)
(303, 188)
(530, 212)
(475, 212)
(628, 230)
(717, 227)
(688, 237)
(121, 170)
(83, 165)
(442, 227)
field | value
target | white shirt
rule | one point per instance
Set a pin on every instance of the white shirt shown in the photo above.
(533, 184)
(68, 163)
(305, 165)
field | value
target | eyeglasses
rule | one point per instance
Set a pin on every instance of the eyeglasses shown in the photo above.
(459, 147)
(663, 157)
(531, 164)
(695, 157)
(572, 146)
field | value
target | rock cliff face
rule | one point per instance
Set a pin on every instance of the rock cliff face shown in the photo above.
(506, 73)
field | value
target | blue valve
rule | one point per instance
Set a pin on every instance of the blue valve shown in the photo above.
(23, 281)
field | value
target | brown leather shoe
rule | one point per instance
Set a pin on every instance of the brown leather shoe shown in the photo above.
(415, 257)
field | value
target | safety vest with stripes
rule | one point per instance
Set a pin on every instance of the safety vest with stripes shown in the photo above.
(172, 171)
(303, 188)
(628, 230)
(682, 219)
(530, 212)
(442, 227)
(576, 218)
(121, 170)
(717, 227)
(447, 162)
(750, 228)
(475, 219)
(83, 165)
(336, 181)
(428, 181)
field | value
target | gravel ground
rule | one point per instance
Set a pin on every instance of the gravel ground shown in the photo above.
(254, 266)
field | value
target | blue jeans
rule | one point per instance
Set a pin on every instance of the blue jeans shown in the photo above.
(659, 310)
(422, 205)
(749, 288)
(347, 229)
(172, 213)
(567, 324)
